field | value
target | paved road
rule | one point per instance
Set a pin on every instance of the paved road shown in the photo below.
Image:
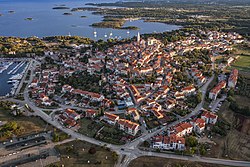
(130, 149)
(23, 79)
(135, 153)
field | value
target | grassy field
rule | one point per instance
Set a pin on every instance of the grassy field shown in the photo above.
(89, 127)
(164, 162)
(243, 62)
(111, 135)
(76, 154)
(27, 125)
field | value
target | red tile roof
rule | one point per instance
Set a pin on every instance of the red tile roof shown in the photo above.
(208, 114)
(112, 117)
(233, 76)
(173, 139)
(128, 124)
(218, 87)
(91, 111)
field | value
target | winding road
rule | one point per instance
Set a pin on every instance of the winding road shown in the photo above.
(130, 150)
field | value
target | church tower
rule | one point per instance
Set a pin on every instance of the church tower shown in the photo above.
(138, 38)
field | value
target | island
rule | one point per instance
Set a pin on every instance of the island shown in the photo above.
(79, 9)
(67, 13)
(61, 7)
(83, 16)
(28, 18)
(130, 28)
(11, 11)
(113, 22)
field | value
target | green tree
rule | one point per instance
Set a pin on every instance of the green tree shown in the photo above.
(191, 141)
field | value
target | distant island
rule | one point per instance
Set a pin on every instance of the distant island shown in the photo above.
(28, 19)
(61, 7)
(113, 22)
(67, 13)
(83, 16)
(130, 28)
(11, 11)
(84, 9)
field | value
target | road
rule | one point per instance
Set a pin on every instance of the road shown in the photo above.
(130, 149)
(24, 77)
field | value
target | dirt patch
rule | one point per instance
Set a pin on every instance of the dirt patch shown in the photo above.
(236, 144)
(246, 126)
(206, 140)
(165, 162)
(242, 124)
(243, 101)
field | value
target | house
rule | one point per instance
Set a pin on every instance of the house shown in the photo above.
(201, 80)
(134, 113)
(70, 123)
(156, 113)
(34, 83)
(43, 97)
(134, 90)
(128, 126)
(209, 117)
(183, 129)
(66, 88)
(188, 89)
(198, 125)
(90, 113)
(232, 80)
(151, 41)
(179, 95)
(158, 141)
(47, 102)
(171, 142)
(170, 103)
(216, 90)
(72, 114)
(111, 118)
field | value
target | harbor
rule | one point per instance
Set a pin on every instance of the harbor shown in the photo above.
(11, 74)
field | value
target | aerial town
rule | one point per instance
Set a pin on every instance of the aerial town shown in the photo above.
(136, 98)
(144, 81)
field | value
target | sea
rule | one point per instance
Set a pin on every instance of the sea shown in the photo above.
(50, 22)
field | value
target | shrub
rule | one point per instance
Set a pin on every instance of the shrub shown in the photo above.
(92, 150)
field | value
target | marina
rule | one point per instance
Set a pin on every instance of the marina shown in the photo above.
(4, 66)
(11, 74)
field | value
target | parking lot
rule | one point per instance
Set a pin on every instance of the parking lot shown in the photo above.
(215, 105)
